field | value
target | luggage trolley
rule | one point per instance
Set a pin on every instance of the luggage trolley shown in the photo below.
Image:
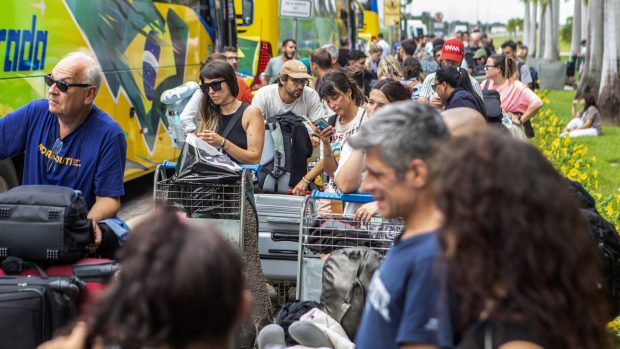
(320, 234)
(205, 201)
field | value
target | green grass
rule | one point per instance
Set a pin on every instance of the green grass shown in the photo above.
(606, 147)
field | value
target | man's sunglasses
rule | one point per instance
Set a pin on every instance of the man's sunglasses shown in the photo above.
(55, 150)
(215, 86)
(61, 85)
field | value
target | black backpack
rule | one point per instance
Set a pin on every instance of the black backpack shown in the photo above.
(44, 223)
(346, 277)
(492, 104)
(606, 240)
(285, 153)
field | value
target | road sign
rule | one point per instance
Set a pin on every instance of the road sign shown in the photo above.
(391, 12)
(295, 8)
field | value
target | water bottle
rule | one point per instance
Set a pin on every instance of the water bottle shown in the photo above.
(179, 93)
(175, 131)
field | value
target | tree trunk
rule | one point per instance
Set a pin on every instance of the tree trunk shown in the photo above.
(591, 79)
(576, 31)
(540, 38)
(584, 19)
(527, 23)
(609, 92)
(551, 32)
(533, 29)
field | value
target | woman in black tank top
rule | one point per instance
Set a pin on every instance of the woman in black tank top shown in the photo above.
(225, 122)
(238, 130)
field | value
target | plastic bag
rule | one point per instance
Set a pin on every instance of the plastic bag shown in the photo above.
(201, 161)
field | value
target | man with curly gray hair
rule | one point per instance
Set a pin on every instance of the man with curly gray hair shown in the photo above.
(403, 307)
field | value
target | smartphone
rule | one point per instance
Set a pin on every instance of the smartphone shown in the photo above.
(320, 123)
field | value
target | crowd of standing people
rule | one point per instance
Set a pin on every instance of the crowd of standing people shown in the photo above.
(494, 252)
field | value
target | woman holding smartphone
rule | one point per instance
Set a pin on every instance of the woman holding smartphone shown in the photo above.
(345, 98)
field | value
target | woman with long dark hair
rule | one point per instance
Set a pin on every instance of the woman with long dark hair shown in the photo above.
(587, 122)
(516, 98)
(345, 99)
(516, 248)
(454, 88)
(180, 287)
(348, 175)
(243, 140)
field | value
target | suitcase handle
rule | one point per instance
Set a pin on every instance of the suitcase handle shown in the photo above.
(355, 198)
(280, 236)
(169, 165)
(287, 252)
(283, 220)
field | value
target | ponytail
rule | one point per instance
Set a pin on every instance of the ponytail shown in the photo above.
(338, 82)
(508, 66)
(459, 78)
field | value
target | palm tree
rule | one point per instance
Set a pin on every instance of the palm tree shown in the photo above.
(591, 79)
(552, 14)
(533, 29)
(576, 32)
(609, 92)
(527, 23)
(540, 38)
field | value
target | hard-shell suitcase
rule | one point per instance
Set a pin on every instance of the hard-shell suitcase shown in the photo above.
(278, 237)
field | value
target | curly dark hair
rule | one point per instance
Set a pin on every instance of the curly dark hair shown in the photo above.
(337, 82)
(179, 286)
(513, 237)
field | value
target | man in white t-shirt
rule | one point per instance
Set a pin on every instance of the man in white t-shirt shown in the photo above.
(291, 93)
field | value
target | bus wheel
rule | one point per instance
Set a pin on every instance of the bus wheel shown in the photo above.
(8, 176)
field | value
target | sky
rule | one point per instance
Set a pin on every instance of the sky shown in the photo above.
(485, 10)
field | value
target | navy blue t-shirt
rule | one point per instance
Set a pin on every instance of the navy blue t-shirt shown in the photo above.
(461, 98)
(91, 158)
(402, 306)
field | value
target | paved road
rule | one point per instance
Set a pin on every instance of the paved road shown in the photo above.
(138, 198)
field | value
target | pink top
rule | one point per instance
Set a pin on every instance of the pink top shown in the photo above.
(514, 97)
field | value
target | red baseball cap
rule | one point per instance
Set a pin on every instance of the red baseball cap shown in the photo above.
(453, 50)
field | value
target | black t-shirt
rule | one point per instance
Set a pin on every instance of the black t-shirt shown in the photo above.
(237, 135)
(497, 334)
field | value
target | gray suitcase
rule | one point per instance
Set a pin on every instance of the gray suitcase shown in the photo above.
(278, 237)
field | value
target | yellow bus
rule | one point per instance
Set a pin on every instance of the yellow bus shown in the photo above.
(370, 28)
(144, 47)
(260, 30)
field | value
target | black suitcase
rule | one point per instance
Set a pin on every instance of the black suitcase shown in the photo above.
(278, 234)
(32, 308)
(43, 223)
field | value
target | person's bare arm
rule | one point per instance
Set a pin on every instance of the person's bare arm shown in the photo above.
(302, 186)
(349, 177)
(531, 111)
(585, 125)
(255, 135)
(105, 207)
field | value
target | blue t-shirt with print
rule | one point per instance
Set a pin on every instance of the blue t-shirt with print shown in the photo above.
(402, 306)
(90, 159)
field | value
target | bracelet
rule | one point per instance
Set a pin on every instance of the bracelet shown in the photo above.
(305, 180)
(224, 143)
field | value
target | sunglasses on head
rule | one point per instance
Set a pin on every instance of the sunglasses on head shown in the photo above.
(215, 86)
(61, 85)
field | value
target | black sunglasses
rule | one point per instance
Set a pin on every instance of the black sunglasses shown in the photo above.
(62, 86)
(215, 86)
(55, 150)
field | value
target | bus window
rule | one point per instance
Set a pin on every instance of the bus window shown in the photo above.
(247, 12)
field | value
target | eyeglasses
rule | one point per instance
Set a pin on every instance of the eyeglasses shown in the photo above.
(232, 58)
(489, 66)
(438, 56)
(215, 86)
(55, 150)
(434, 86)
(304, 82)
(61, 85)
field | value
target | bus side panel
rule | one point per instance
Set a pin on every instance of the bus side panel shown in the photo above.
(263, 28)
(143, 48)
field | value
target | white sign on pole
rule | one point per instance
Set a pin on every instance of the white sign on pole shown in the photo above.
(296, 8)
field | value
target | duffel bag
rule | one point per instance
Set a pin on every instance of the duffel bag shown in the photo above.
(33, 307)
(44, 223)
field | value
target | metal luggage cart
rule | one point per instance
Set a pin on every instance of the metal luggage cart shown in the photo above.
(320, 234)
(218, 204)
